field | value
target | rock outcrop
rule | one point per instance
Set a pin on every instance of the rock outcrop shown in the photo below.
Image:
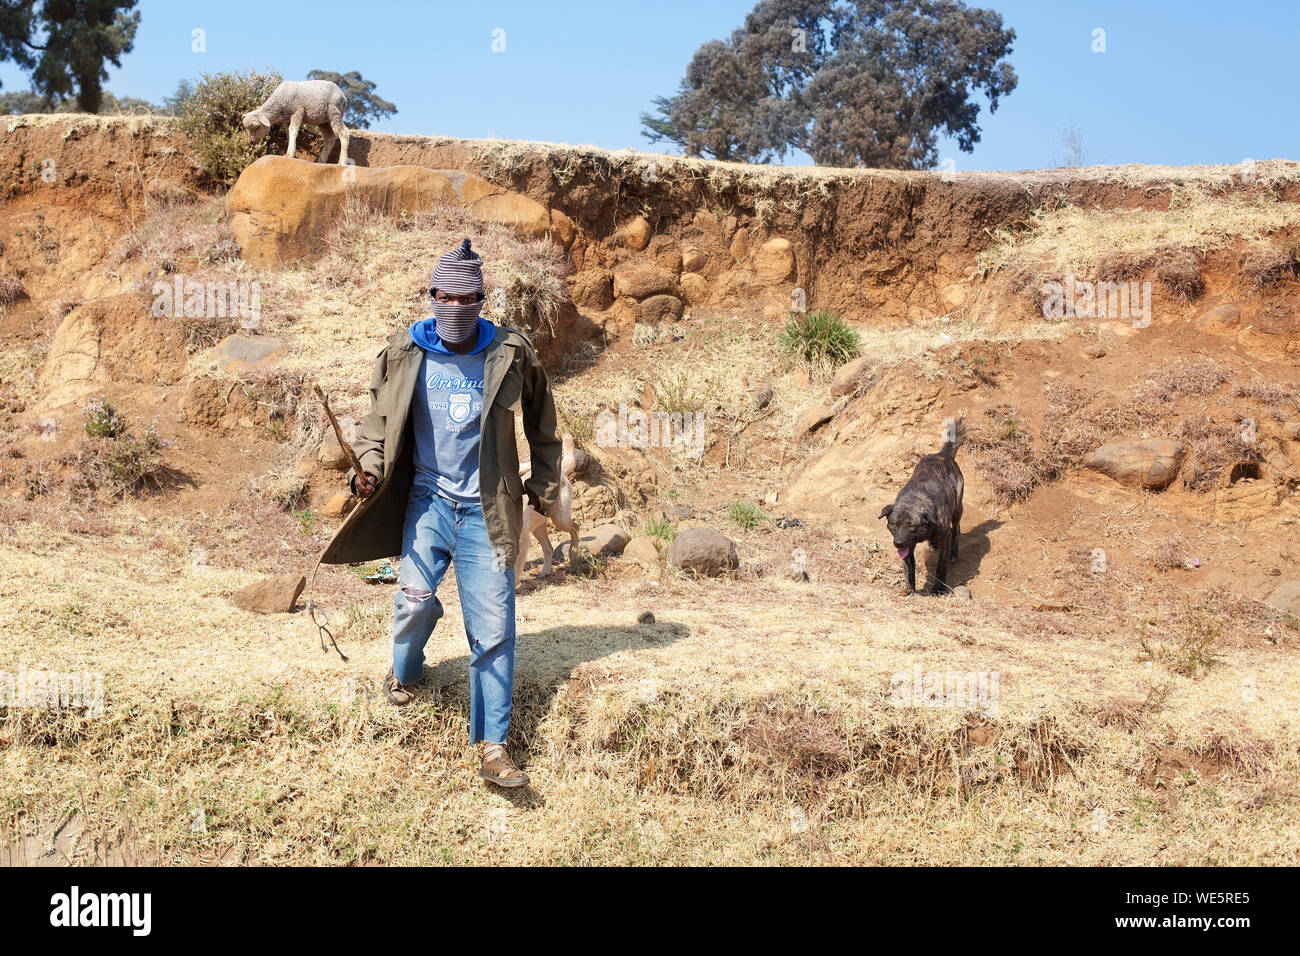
(281, 208)
(1152, 463)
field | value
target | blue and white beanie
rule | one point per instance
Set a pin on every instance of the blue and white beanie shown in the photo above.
(459, 272)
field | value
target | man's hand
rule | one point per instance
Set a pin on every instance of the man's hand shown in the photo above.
(364, 485)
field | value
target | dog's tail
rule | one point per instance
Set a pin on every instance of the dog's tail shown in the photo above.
(954, 433)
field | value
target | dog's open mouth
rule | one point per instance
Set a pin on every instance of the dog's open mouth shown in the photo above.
(904, 552)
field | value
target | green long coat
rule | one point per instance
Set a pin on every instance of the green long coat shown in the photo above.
(513, 380)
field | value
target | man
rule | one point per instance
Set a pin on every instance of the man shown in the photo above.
(440, 486)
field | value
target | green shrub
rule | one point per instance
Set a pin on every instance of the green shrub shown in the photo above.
(745, 515)
(120, 459)
(822, 339)
(102, 420)
(212, 121)
(134, 461)
(661, 528)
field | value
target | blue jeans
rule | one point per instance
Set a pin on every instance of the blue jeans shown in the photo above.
(437, 532)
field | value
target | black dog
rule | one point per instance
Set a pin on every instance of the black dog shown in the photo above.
(929, 508)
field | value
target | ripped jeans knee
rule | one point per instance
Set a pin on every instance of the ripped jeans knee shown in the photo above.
(417, 595)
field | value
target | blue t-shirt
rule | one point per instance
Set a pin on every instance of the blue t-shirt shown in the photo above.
(446, 411)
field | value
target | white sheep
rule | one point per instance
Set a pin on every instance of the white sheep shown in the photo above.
(318, 103)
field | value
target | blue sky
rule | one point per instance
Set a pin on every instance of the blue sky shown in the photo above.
(1179, 82)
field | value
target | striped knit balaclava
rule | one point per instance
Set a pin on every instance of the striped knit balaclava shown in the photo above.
(459, 272)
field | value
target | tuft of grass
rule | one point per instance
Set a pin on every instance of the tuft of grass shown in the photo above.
(1165, 383)
(284, 489)
(1186, 642)
(822, 339)
(11, 289)
(1169, 555)
(661, 528)
(115, 457)
(677, 394)
(1212, 449)
(1201, 217)
(1004, 453)
(745, 515)
(1270, 266)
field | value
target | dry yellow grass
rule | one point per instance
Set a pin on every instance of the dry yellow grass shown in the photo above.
(1071, 240)
(753, 723)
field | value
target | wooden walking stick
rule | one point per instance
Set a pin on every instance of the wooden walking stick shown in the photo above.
(314, 609)
(338, 433)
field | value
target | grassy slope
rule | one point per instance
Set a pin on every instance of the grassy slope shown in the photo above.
(752, 723)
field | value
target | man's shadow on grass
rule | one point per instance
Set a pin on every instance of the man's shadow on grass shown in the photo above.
(544, 662)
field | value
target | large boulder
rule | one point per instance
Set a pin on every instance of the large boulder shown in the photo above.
(593, 289)
(661, 308)
(640, 280)
(281, 208)
(1151, 463)
(774, 261)
(703, 551)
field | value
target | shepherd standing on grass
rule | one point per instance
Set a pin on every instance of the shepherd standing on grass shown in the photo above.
(440, 485)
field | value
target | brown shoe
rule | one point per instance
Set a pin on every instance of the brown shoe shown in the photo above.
(498, 768)
(397, 692)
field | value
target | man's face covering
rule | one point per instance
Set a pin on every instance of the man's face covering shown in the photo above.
(459, 274)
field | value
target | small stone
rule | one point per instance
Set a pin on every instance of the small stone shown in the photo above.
(811, 419)
(761, 394)
(848, 376)
(635, 233)
(961, 592)
(703, 550)
(334, 506)
(606, 541)
(643, 549)
(276, 595)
